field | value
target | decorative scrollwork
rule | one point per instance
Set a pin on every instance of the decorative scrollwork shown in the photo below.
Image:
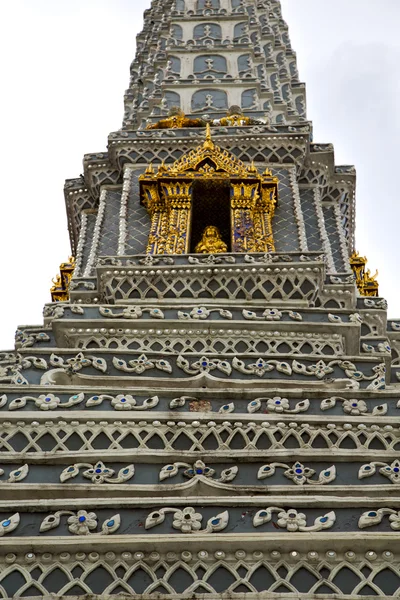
(268, 258)
(278, 405)
(202, 313)
(298, 473)
(374, 517)
(211, 259)
(141, 364)
(181, 402)
(123, 402)
(8, 525)
(24, 339)
(10, 369)
(392, 471)
(53, 311)
(98, 473)
(199, 469)
(16, 475)
(81, 522)
(261, 367)
(293, 520)
(353, 406)
(187, 520)
(382, 348)
(78, 362)
(131, 312)
(204, 365)
(271, 314)
(46, 402)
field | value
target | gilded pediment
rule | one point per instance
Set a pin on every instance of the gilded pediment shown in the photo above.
(207, 160)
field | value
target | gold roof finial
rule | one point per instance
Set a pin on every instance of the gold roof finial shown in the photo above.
(252, 168)
(356, 259)
(162, 168)
(208, 144)
(62, 281)
(367, 284)
(150, 169)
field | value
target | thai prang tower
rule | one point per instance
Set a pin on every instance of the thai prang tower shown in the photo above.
(210, 408)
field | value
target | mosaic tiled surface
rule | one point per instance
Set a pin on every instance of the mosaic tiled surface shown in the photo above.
(314, 242)
(108, 243)
(284, 224)
(138, 220)
(333, 234)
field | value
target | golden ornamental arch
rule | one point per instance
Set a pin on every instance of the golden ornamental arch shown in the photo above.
(168, 196)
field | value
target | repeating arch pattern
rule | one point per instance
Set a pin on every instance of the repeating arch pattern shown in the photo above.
(225, 437)
(198, 576)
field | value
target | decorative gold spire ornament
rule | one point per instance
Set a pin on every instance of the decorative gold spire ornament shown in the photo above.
(211, 242)
(208, 144)
(367, 284)
(61, 283)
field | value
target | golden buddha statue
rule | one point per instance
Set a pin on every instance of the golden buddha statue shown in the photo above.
(211, 242)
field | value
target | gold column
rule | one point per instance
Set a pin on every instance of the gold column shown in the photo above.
(178, 198)
(243, 201)
(158, 211)
(262, 217)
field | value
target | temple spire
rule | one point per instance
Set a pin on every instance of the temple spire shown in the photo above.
(246, 60)
(209, 408)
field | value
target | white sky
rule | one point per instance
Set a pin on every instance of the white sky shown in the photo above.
(64, 69)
